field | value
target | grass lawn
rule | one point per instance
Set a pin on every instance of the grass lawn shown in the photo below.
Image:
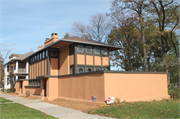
(2, 100)
(15, 110)
(155, 109)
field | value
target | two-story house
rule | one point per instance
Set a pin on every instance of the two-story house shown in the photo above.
(16, 69)
(76, 69)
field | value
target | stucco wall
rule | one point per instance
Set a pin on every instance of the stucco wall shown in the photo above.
(54, 66)
(134, 87)
(52, 88)
(82, 87)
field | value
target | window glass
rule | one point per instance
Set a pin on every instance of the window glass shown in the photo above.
(80, 48)
(104, 51)
(7, 68)
(97, 50)
(53, 53)
(89, 69)
(37, 57)
(34, 58)
(40, 56)
(72, 49)
(43, 55)
(89, 49)
(105, 69)
(80, 69)
(97, 69)
(46, 53)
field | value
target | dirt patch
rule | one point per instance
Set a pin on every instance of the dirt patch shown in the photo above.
(31, 97)
(74, 105)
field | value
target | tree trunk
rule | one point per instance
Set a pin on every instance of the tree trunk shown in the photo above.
(166, 69)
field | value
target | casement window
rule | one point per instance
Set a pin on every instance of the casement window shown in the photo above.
(80, 69)
(88, 69)
(72, 70)
(33, 59)
(97, 69)
(35, 82)
(46, 53)
(7, 68)
(105, 69)
(104, 51)
(80, 48)
(43, 55)
(97, 50)
(40, 56)
(89, 49)
(53, 53)
(37, 57)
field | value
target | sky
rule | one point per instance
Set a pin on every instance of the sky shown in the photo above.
(27, 23)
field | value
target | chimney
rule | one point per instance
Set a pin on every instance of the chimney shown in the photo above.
(54, 37)
(40, 47)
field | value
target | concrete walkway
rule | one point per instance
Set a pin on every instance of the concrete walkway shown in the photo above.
(54, 110)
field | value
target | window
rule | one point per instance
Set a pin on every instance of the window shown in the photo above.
(35, 82)
(105, 69)
(43, 55)
(37, 57)
(33, 59)
(97, 69)
(53, 53)
(89, 69)
(14, 66)
(46, 53)
(89, 49)
(80, 48)
(7, 68)
(104, 51)
(40, 56)
(80, 69)
(97, 50)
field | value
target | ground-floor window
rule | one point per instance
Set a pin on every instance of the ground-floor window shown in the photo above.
(8, 81)
(80, 69)
(35, 82)
(89, 69)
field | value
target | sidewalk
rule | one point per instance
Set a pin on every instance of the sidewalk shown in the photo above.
(54, 110)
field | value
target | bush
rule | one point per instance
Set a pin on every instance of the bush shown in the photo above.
(174, 91)
(2, 90)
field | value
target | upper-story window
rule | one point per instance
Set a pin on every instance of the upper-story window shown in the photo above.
(97, 50)
(80, 48)
(43, 55)
(89, 49)
(7, 68)
(53, 53)
(14, 66)
(104, 51)
(40, 56)
(80, 69)
(46, 53)
(33, 59)
(89, 69)
(37, 57)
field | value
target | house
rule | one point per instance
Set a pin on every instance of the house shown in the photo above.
(78, 69)
(16, 69)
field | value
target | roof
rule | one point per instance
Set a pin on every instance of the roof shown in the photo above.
(77, 40)
(20, 56)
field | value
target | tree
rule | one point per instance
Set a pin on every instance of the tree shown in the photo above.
(165, 15)
(98, 29)
(5, 50)
(132, 8)
(67, 35)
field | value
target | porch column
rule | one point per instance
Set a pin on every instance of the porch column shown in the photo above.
(16, 78)
(16, 67)
(27, 69)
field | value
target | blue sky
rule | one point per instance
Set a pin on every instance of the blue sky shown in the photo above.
(29, 22)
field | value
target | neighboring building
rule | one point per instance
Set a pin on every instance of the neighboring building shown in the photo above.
(75, 69)
(16, 69)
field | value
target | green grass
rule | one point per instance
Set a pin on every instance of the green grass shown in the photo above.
(2, 100)
(15, 110)
(155, 109)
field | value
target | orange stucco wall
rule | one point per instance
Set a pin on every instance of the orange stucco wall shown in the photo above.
(45, 66)
(89, 60)
(52, 88)
(97, 60)
(82, 87)
(80, 59)
(105, 61)
(71, 59)
(64, 60)
(40, 71)
(54, 66)
(18, 87)
(134, 87)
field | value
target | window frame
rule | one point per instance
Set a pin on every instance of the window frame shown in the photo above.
(79, 68)
(95, 50)
(87, 48)
(82, 48)
(52, 53)
(98, 68)
(88, 68)
(106, 51)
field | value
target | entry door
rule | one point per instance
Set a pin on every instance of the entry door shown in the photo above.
(45, 90)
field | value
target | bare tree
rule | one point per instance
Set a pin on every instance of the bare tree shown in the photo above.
(98, 29)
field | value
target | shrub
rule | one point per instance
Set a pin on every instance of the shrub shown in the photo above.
(117, 101)
(2, 90)
(174, 91)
